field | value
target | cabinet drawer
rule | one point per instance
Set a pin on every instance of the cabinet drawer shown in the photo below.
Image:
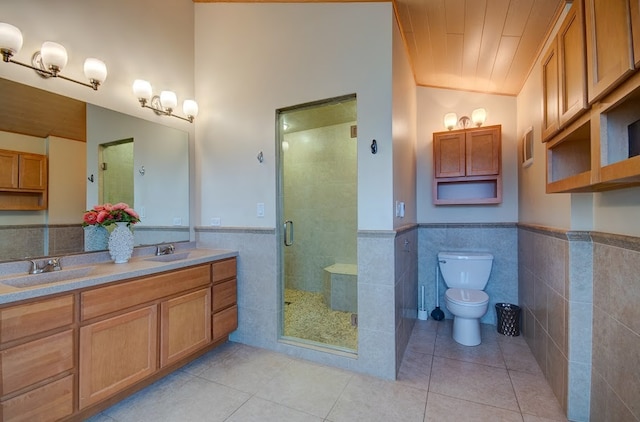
(223, 270)
(224, 322)
(224, 295)
(33, 318)
(109, 299)
(50, 402)
(36, 361)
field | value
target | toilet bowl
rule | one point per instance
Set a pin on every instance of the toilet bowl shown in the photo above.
(466, 275)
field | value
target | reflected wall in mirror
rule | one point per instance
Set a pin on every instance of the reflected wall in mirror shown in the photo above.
(70, 132)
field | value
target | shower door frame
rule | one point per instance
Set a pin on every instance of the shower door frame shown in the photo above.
(280, 227)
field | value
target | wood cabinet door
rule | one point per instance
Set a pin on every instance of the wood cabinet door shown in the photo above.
(609, 46)
(185, 325)
(33, 172)
(8, 170)
(449, 154)
(483, 151)
(635, 29)
(572, 76)
(550, 90)
(116, 353)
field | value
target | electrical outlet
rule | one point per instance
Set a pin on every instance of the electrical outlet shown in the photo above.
(215, 221)
(260, 209)
(177, 221)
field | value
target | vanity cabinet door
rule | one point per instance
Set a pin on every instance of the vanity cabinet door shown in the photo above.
(449, 154)
(185, 325)
(116, 353)
(550, 92)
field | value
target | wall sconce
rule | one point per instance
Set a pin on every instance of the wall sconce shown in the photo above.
(50, 60)
(478, 117)
(163, 104)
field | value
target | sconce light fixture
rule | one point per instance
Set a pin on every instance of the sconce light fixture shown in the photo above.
(165, 103)
(50, 60)
(478, 117)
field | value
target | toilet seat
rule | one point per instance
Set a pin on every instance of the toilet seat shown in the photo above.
(467, 297)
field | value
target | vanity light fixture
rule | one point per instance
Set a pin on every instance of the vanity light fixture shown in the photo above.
(50, 60)
(478, 117)
(165, 103)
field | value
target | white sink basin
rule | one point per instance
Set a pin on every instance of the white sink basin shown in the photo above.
(170, 257)
(32, 280)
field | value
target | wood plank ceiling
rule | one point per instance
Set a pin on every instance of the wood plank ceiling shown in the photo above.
(473, 45)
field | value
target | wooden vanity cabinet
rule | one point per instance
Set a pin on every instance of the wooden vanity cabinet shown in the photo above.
(37, 364)
(224, 298)
(467, 166)
(23, 181)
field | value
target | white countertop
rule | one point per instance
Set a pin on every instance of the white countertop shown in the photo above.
(94, 269)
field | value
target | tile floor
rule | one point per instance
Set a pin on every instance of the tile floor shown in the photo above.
(439, 380)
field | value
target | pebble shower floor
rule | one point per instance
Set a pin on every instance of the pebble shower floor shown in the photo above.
(306, 316)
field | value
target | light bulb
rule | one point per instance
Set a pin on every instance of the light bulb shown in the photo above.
(142, 89)
(450, 120)
(10, 39)
(95, 70)
(168, 100)
(54, 56)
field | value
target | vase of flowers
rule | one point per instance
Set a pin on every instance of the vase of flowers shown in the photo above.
(120, 243)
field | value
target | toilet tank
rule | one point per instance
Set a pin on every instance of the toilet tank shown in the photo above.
(465, 270)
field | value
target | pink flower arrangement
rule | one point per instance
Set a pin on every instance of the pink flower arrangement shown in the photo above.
(107, 214)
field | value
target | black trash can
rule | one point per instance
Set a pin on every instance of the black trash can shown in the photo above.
(508, 319)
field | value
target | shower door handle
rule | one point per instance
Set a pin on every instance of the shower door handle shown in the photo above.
(288, 233)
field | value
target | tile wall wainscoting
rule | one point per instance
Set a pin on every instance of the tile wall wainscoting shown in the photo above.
(500, 240)
(387, 307)
(580, 293)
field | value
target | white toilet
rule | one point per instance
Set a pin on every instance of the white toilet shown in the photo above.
(466, 275)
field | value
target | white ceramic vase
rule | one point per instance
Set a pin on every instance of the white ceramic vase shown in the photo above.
(121, 243)
(96, 238)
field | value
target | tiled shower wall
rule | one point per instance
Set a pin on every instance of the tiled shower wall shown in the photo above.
(386, 295)
(615, 377)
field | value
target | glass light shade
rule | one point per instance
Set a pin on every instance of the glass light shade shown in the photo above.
(53, 54)
(168, 99)
(95, 69)
(450, 120)
(142, 89)
(478, 116)
(10, 38)
(190, 108)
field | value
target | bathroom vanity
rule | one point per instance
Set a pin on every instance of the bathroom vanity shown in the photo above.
(101, 331)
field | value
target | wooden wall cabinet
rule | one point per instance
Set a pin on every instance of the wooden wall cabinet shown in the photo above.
(467, 166)
(23, 181)
(564, 75)
(609, 45)
(37, 365)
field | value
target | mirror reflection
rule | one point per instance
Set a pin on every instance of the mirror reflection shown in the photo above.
(151, 172)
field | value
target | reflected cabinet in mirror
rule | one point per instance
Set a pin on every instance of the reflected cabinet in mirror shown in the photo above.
(94, 155)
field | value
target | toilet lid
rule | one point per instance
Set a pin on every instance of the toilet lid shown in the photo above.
(467, 296)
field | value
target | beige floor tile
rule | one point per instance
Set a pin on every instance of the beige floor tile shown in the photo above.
(535, 396)
(422, 341)
(205, 361)
(371, 399)
(307, 387)
(415, 370)
(248, 369)
(518, 357)
(487, 353)
(194, 400)
(474, 382)
(260, 410)
(531, 418)
(444, 408)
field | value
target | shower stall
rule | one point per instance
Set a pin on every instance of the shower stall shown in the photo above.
(317, 209)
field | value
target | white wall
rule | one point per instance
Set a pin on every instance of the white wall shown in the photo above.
(252, 59)
(404, 131)
(433, 104)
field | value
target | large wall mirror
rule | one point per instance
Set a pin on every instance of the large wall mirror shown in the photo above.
(95, 155)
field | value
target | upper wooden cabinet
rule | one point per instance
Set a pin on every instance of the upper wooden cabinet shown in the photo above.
(609, 45)
(23, 181)
(564, 74)
(467, 166)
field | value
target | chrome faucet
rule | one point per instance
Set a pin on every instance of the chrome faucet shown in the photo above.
(165, 250)
(46, 266)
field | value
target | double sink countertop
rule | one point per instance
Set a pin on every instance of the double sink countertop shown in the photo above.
(97, 268)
